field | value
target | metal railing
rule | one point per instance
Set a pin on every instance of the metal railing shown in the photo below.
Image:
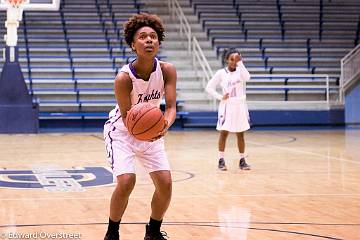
(193, 47)
(350, 70)
(185, 28)
(199, 58)
(200, 62)
(316, 78)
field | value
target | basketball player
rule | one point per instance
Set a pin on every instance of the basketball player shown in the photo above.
(146, 79)
(233, 114)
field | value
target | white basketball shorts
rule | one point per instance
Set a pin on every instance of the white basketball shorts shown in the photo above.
(122, 150)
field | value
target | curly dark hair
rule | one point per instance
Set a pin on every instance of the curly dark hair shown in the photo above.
(140, 20)
(226, 54)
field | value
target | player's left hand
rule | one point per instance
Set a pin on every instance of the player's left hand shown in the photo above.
(162, 133)
(238, 58)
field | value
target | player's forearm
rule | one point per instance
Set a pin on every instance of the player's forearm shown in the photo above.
(170, 115)
(214, 93)
(245, 75)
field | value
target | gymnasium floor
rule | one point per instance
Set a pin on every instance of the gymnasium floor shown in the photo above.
(305, 184)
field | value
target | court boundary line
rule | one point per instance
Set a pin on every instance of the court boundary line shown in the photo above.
(204, 224)
(305, 152)
(196, 196)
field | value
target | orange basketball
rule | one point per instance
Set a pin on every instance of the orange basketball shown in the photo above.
(144, 121)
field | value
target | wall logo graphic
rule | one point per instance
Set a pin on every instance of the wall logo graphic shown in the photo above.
(55, 180)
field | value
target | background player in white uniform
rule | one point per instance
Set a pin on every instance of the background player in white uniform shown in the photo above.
(233, 114)
(146, 79)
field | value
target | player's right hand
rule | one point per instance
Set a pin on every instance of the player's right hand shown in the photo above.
(226, 96)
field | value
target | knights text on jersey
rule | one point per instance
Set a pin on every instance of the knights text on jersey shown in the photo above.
(143, 91)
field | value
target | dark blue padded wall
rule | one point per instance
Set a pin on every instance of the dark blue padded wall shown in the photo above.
(352, 105)
(18, 113)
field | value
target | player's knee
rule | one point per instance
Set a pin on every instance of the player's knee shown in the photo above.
(240, 135)
(126, 183)
(224, 134)
(165, 188)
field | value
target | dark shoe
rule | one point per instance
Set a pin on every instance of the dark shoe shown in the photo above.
(222, 165)
(243, 165)
(112, 236)
(155, 236)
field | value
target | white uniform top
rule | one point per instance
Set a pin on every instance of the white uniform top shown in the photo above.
(233, 113)
(233, 83)
(143, 91)
(121, 147)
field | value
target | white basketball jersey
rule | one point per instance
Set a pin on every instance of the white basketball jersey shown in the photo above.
(151, 91)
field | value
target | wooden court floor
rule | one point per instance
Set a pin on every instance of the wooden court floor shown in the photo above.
(304, 184)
